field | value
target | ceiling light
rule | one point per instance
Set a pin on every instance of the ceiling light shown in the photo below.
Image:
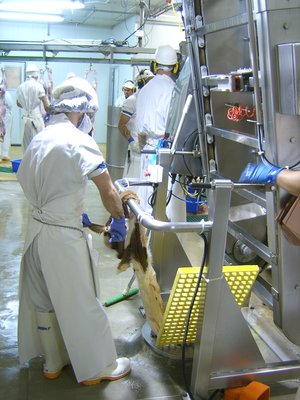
(53, 7)
(33, 17)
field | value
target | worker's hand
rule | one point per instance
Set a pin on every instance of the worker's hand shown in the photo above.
(117, 230)
(260, 173)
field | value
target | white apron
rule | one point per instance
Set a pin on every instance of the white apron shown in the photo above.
(28, 96)
(64, 253)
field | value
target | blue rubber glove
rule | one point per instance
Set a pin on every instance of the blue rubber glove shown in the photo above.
(85, 220)
(130, 140)
(260, 173)
(117, 230)
(47, 118)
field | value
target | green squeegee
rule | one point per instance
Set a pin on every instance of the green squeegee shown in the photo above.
(121, 297)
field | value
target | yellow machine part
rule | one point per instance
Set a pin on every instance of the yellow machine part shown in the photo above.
(240, 279)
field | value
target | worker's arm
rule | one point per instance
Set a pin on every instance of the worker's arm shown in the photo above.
(267, 173)
(123, 128)
(109, 195)
(112, 202)
(45, 101)
(290, 181)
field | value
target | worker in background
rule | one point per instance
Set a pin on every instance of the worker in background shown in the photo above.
(264, 172)
(127, 126)
(8, 121)
(6, 105)
(31, 97)
(59, 314)
(152, 110)
(128, 89)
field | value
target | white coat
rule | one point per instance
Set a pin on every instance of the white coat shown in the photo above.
(53, 174)
(132, 164)
(8, 120)
(29, 95)
(152, 108)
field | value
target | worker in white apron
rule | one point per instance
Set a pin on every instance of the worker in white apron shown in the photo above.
(152, 110)
(59, 314)
(127, 127)
(31, 97)
(8, 120)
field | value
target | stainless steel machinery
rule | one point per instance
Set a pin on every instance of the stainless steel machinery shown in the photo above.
(243, 78)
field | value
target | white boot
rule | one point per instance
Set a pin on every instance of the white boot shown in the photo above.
(56, 356)
(117, 370)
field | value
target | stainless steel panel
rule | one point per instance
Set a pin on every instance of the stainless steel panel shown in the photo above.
(289, 78)
(116, 145)
(227, 50)
(215, 10)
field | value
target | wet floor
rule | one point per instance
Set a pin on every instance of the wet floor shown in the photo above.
(153, 376)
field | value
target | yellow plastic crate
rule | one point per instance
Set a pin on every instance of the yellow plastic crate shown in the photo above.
(240, 279)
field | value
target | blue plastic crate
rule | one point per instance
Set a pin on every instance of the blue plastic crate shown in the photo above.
(15, 164)
(192, 203)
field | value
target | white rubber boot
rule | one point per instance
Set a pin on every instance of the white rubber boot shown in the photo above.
(115, 371)
(56, 356)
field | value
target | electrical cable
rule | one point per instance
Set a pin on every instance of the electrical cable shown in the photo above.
(262, 152)
(190, 313)
(140, 27)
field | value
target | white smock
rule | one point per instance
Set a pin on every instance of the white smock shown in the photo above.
(29, 95)
(8, 120)
(152, 110)
(132, 163)
(53, 174)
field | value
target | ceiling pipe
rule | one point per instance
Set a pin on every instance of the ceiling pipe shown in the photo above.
(142, 23)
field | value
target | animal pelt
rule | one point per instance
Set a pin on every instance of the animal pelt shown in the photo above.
(137, 254)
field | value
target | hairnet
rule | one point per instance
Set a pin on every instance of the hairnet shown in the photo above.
(74, 94)
(32, 71)
(129, 85)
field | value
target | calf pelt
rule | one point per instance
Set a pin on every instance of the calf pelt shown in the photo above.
(137, 253)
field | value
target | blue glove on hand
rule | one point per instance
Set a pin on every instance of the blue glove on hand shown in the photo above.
(117, 230)
(130, 140)
(260, 173)
(85, 220)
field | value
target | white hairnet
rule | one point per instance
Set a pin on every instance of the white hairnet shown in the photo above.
(129, 85)
(74, 94)
(32, 71)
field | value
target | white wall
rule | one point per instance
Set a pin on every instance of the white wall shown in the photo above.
(108, 89)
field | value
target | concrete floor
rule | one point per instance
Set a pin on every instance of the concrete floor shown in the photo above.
(153, 376)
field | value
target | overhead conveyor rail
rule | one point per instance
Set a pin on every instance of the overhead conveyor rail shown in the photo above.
(59, 51)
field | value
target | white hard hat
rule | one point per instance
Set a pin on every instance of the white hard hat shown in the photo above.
(144, 74)
(75, 94)
(32, 70)
(129, 85)
(165, 55)
(70, 75)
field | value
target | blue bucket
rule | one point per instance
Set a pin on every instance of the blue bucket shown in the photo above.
(192, 203)
(15, 164)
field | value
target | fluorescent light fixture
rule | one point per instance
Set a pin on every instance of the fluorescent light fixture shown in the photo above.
(33, 17)
(53, 7)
